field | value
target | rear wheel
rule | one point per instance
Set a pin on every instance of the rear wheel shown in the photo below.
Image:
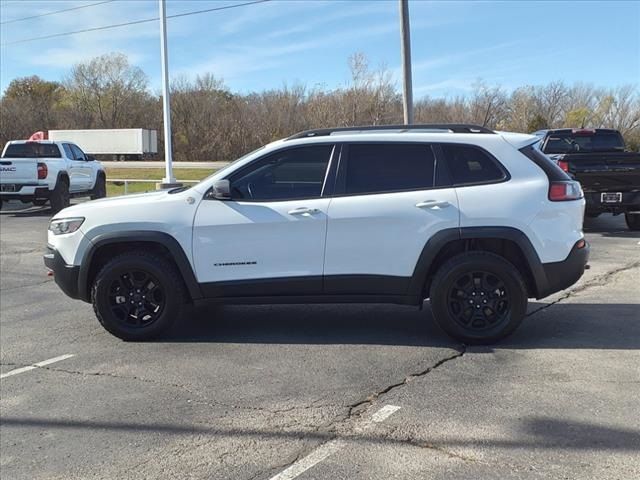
(60, 196)
(100, 188)
(478, 297)
(633, 220)
(137, 295)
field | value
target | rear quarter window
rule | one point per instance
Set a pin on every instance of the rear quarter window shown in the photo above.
(468, 164)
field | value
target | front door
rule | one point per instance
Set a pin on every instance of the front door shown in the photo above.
(269, 238)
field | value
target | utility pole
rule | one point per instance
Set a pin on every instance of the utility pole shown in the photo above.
(407, 87)
(169, 180)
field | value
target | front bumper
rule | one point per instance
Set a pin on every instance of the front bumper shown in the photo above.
(563, 274)
(65, 276)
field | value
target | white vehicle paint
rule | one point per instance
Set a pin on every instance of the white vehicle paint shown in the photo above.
(307, 219)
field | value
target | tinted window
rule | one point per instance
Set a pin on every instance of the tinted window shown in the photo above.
(32, 150)
(77, 153)
(67, 151)
(469, 164)
(377, 168)
(289, 174)
(583, 141)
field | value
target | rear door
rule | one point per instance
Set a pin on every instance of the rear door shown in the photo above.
(387, 204)
(269, 238)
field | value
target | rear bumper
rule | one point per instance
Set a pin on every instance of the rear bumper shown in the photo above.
(561, 275)
(24, 192)
(630, 203)
(65, 276)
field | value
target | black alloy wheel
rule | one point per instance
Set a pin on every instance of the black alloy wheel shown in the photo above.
(137, 299)
(478, 300)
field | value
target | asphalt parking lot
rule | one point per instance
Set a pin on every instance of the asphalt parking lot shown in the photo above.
(339, 392)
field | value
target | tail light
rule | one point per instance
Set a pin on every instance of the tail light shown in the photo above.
(565, 191)
(43, 171)
(564, 165)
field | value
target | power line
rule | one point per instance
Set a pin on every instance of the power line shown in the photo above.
(55, 12)
(135, 22)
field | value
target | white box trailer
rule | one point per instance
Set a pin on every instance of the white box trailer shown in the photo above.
(120, 141)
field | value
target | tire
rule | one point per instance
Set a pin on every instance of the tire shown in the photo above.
(142, 309)
(633, 221)
(60, 196)
(100, 188)
(500, 299)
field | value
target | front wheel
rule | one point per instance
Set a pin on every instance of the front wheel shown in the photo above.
(478, 297)
(633, 221)
(137, 295)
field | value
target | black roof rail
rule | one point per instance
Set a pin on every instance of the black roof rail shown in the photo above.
(452, 127)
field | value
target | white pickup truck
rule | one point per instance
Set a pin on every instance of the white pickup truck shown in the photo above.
(44, 170)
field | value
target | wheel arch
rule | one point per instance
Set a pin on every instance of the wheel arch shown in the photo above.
(106, 245)
(510, 243)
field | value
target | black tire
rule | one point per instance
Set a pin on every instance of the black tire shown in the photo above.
(122, 306)
(633, 221)
(60, 196)
(100, 188)
(487, 282)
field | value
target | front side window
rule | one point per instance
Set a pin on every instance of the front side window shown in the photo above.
(77, 153)
(468, 164)
(379, 168)
(294, 173)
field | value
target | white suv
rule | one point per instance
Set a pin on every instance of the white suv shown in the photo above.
(476, 221)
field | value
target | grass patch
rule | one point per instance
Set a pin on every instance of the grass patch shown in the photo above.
(154, 175)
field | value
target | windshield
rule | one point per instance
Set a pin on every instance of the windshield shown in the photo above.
(32, 150)
(570, 142)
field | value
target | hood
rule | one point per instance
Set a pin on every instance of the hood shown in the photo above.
(94, 207)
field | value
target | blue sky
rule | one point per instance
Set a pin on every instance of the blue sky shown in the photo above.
(257, 47)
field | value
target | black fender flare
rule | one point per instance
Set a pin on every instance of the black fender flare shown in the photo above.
(436, 243)
(161, 238)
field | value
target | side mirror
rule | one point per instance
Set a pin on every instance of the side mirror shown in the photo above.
(221, 190)
(91, 158)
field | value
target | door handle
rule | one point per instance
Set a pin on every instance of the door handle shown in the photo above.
(433, 204)
(303, 211)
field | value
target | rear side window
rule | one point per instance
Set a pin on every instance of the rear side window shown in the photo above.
(379, 168)
(32, 150)
(468, 164)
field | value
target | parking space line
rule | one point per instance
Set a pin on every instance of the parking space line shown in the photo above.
(384, 413)
(44, 363)
(327, 449)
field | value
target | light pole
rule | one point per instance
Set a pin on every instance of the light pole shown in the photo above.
(169, 180)
(407, 87)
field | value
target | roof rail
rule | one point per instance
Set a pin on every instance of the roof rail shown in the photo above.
(451, 127)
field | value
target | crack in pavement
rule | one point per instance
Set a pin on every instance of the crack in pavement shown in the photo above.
(358, 408)
(594, 282)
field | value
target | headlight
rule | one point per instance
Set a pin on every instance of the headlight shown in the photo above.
(60, 226)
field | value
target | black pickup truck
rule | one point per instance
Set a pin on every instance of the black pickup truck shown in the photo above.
(609, 175)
